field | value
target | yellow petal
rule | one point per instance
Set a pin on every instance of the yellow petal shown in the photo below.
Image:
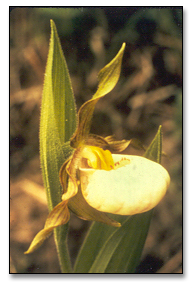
(96, 140)
(69, 169)
(136, 186)
(63, 175)
(57, 217)
(38, 240)
(117, 146)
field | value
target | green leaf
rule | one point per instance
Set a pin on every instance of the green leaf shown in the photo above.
(57, 124)
(117, 253)
(118, 250)
(94, 241)
(154, 151)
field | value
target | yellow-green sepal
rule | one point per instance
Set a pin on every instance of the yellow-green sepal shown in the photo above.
(57, 217)
(108, 78)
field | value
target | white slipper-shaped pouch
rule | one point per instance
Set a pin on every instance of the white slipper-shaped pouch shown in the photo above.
(136, 185)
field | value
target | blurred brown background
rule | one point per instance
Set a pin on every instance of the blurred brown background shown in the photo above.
(149, 93)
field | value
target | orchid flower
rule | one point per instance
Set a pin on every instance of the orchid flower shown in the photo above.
(94, 180)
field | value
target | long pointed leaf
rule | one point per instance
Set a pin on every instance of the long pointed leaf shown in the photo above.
(57, 124)
(93, 242)
(154, 151)
(117, 254)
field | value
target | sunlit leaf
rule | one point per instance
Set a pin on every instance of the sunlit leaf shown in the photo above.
(57, 124)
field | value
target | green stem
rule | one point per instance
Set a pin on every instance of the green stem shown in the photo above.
(60, 235)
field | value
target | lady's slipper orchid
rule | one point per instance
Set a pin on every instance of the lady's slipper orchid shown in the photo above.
(135, 185)
(95, 181)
